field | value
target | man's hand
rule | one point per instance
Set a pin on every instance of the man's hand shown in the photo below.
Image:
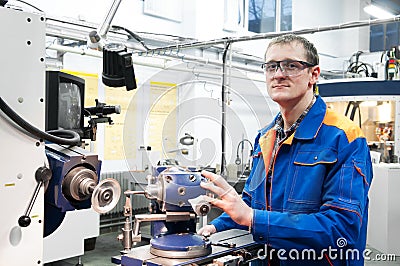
(207, 230)
(228, 199)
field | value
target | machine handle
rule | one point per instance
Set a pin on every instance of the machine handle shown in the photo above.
(42, 175)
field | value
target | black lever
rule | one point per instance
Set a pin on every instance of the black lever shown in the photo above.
(224, 244)
(42, 175)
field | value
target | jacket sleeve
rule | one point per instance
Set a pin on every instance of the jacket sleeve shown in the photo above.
(343, 212)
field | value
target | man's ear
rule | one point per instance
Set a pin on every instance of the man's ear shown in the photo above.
(315, 72)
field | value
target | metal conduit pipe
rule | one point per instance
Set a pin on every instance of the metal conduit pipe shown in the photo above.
(79, 34)
(56, 27)
(182, 57)
(223, 108)
(270, 35)
(163, 62)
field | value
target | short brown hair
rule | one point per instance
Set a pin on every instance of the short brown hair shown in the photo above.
(311, 52)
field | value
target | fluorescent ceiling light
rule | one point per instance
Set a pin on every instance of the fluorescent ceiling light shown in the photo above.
(378, 12)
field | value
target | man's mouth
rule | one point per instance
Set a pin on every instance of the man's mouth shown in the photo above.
(279, 86)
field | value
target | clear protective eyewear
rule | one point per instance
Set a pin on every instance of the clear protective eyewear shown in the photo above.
(289, 68)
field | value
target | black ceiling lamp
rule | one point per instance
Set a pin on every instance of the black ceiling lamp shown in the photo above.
(117, 67)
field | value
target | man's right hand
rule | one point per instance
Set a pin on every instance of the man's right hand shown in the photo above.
(207, 230)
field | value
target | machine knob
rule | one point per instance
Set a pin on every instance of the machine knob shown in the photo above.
(204, 209)
(24, 221)
(43, 174)
(200, 205)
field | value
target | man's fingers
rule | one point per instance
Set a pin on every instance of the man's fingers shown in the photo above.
(216, 179)
(213, 188)
(216, 202)
(207, 230)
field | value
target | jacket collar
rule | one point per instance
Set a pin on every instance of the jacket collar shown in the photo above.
(311, 123)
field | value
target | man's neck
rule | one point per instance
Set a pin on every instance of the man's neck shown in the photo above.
(290, 113)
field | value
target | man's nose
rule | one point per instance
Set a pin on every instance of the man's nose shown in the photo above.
(279, 73)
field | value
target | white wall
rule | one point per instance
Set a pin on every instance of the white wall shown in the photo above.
(312, 14)
(129, 15)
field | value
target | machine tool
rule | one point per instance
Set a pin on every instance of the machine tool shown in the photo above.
(177, 203)
(173, 214)
(42, 182)
(75, 185)
(73, 200)
(22, 88)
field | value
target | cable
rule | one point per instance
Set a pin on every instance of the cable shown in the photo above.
(242, 141)
(38, 9)
(239, 161)
(133, 35)
(167, 35)
(355, 106)
(359, 67)
(50, 136)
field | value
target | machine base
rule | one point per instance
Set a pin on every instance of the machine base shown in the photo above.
(184, 245)
(244, 246)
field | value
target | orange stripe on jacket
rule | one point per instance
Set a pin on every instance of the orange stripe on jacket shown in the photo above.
(267, 143)
(351, 130)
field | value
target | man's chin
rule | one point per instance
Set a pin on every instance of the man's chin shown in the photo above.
(280, 97)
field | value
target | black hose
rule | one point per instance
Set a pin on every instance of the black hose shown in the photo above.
(133, 35)
(242, 141)
(73, 141)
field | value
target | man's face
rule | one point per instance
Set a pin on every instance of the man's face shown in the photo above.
(285, 89)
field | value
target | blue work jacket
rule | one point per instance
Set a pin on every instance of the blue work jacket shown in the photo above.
(314, 210)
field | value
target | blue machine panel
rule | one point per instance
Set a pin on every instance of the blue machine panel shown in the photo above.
(359, 88)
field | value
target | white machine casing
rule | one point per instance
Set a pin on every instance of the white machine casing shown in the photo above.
(22, 87)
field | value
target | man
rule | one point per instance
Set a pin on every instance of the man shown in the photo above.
(308, 188)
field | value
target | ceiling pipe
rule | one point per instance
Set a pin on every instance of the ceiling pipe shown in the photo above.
(270, 35)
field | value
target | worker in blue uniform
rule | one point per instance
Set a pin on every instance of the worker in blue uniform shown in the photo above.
(307, 194)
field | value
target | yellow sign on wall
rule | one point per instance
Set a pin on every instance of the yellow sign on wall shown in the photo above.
(114, 134)
(163, 96)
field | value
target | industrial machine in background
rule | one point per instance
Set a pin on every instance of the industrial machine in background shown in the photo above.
(22, 86)
(389, 64)
(373, 105)
(47, 176)
(392, 63)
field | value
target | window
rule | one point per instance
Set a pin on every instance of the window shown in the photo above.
(384, 37)
(286, 15)
(233, 17)
(269, 15)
